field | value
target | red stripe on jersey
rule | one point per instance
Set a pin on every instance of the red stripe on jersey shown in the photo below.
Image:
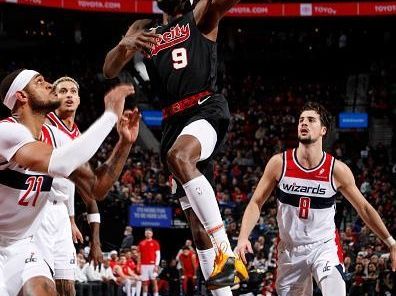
(340, 252)
(9, 119)
(46, 136)
(321, 173)
(57, 122)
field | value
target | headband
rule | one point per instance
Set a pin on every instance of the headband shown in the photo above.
(18, 84)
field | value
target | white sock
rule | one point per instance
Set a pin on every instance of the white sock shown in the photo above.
(206, 261)
(133, 291)
(127, 285)
(144, 293)
(138, 287)
(155, 294)
(204, 204)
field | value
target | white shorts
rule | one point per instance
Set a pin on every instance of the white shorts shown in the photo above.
(54, 238)
(148, 272)
(20, 262)
(206, 135)
(297, 265)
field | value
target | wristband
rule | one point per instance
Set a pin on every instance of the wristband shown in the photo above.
(390, 241)
(93, 218)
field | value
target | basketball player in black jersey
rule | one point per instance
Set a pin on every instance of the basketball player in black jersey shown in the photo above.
(181, 59)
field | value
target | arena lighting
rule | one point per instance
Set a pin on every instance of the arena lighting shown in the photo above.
(306, 10)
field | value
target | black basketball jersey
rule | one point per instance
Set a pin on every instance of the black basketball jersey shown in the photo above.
(183, 62)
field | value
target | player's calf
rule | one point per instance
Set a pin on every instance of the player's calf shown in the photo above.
(65, 287)
(200, 236)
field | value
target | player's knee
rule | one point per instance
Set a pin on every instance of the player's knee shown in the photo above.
(179, 161)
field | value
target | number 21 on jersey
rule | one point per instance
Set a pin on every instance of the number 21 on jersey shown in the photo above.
(303, 208)
(179, 58)
(34, 184)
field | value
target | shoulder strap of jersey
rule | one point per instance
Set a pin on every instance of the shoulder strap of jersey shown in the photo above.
(284, 164)
(47, 136)
(331, 173)
(9, 119)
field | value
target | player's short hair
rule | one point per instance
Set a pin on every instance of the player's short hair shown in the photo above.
(65, 78)
(324, 115)
(6, 83)
(148, 229)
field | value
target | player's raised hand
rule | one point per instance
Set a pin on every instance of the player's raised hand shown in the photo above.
(242, 247)
(138, 38)
(115, 98)
(128, 125)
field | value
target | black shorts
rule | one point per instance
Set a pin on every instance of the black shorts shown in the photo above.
(215, 111)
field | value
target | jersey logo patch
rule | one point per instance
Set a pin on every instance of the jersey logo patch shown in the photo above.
(200, 102)
(175, 35)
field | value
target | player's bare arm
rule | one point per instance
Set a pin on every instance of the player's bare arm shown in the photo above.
(345, 183)
(95, 251)
(266, 185)
(96, 183)
(136, 38)
(208, 13)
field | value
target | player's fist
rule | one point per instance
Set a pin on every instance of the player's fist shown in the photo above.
(243, 246)
(115, 99)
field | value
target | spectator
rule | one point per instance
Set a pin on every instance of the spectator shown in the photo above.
(113, 259)
(188, 262)
(108, 278)
(127, 242)
(149, 249)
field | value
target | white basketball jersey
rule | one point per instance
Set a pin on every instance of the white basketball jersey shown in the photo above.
(23, 193)
(62, 188)
(306, 201)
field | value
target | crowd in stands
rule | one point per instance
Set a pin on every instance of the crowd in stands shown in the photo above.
(264, 117)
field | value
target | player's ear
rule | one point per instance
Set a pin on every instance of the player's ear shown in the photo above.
(324, 130)
(22, 96)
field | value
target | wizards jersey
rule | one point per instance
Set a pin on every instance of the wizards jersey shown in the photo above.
(306, 201)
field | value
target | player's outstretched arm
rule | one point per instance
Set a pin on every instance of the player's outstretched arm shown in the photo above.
(208, 13)
(95, 184)
(135, 39)
(220, 7)
(62, 161)
(345, 182)
(267, 183)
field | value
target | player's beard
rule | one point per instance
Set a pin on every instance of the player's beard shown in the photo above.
(306, 141)
(43, 107)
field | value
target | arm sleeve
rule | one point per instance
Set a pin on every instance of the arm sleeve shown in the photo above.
(12, 137)
(157, 257)
(64, 160)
